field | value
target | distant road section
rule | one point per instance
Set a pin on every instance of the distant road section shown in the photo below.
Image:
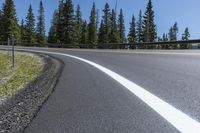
(89, 100)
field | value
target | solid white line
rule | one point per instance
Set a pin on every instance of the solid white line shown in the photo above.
(177, 118)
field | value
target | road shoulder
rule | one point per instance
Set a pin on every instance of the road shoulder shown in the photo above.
(18, 111)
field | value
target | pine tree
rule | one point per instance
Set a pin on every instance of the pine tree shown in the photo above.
(97, 20)
(121, 27)
(175, 31)
(60, 24)
(30, 26)
(132, 31)
(114, 34)
(160, 39)
(139, 28)
(78, 25)
(52, 37)
(149, 27)
(69, 23)
(165, 37)
(9, 21)
(106, 24)
(22, 31)
(92, 30)
(84, 33)
(41, 25)
(185, 37)
(171, 34)
(186, 34)
(101, 33)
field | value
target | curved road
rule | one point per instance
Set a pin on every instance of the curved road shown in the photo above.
(87, 100)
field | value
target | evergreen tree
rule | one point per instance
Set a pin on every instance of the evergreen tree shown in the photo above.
(22, 31)
(78, 25)
(92, 30)
(106, 24)
(41, 25)
(101, 33)
(9, 21)
(165, 37)
(114, 34)
(30, 26)
(97, 19)
(186, 34)
(173, 32)
(149, 27)
(52, 37)
(139, 28)
(160, 39)
(132, 32)
(60, 24)
(69, 23)
(84, 33)
(185, 37)
(121, 27)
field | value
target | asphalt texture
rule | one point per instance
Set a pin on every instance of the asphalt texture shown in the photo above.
(86, 100)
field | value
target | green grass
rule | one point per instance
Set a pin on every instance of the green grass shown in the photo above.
(27, 68)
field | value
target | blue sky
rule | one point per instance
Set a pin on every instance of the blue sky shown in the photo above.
(185, 12)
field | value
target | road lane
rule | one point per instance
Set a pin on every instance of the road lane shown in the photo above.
(86, 100)
(173, 77)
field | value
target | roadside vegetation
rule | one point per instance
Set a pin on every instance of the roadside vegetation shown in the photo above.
(27, 68)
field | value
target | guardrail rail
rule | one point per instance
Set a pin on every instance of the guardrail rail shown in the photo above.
(190, 44)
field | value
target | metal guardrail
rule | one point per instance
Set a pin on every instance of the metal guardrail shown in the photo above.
(145, 45)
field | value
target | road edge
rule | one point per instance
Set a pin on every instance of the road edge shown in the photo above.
(18, 111)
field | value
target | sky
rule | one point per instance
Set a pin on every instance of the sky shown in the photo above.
(167, 12)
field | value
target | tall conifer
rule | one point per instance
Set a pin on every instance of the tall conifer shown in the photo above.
(30, 26)
(9, 21)
(149, 27)
(52, 37)
(132, 31)
(114, 34)
(69, 23)
(92, 30)
(139, 28)
(41, 25)
(78, 24)
(121, 27)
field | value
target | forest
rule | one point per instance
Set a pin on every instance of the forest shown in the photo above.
(68, 26)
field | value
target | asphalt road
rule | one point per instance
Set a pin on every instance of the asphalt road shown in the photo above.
(86, 100)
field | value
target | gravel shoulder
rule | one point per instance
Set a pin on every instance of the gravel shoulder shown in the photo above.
(18, 110)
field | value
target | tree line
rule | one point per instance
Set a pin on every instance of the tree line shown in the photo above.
(27, 31)
(68, 26)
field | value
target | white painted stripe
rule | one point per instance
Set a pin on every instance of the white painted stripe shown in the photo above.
(177, 118)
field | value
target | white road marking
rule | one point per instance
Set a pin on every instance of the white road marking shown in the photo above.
(177, 118)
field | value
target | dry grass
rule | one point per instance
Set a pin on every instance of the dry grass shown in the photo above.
(27, 68)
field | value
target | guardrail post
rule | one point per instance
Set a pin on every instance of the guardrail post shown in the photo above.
(8, 44)
(8, 41)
